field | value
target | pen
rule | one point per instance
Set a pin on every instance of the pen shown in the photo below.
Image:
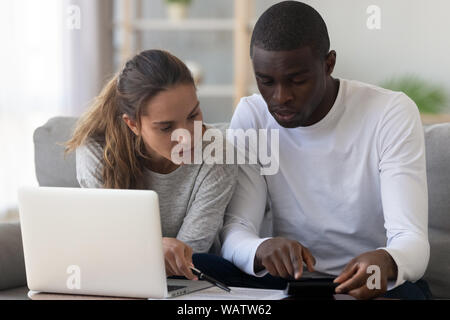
(215, 282)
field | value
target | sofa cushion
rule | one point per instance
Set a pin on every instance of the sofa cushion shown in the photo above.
(12, 265)
(437, 142)
(19, 293)
(52, 169)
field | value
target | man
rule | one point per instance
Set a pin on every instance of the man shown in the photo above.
(351, 191)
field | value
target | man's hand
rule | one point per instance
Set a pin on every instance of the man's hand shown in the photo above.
(283, 258)
(353, 279)
(178, 258)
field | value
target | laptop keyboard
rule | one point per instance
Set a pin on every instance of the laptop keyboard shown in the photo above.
(173, 288)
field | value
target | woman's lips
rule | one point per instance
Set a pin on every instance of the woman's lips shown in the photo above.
(187, 151)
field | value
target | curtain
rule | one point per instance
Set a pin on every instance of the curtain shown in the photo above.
(48, 67)
(89, 52)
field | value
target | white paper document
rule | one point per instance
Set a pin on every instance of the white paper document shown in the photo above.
(213, 293)
(237, 293)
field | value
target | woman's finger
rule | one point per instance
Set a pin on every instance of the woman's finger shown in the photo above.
(188, 255)
(183, 265)
(169, 271)
(171, 267)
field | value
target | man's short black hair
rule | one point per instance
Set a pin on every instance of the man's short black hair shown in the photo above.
(290, 25)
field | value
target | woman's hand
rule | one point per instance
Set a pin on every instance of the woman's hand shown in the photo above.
(178, 258)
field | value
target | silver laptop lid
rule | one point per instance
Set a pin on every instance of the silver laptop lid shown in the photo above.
(92, 241)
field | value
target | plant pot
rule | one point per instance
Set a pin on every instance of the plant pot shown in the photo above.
(177, 11)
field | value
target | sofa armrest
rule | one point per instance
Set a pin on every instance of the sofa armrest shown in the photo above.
(12, 265)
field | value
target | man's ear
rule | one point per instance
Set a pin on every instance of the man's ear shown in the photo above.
(130, 123)
(330, 62)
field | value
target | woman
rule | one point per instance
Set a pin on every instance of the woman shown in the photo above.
(124, 142)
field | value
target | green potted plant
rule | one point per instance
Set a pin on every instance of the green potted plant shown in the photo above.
(177, 9)
(430, 98)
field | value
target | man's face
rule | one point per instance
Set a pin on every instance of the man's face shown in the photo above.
(293, 83)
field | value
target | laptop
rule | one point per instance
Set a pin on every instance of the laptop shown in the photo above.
(103, 242)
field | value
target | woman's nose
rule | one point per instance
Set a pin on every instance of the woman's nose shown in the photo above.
(184, 138)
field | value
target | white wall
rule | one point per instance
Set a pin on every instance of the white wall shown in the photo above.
(414, 38)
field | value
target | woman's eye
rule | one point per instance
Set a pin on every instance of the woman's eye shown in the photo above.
(193, 116)
(166, 129)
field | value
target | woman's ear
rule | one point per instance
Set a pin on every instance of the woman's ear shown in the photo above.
(130, 123)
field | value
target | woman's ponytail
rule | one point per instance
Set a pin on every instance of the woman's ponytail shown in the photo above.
(103, 123)
(93, 123)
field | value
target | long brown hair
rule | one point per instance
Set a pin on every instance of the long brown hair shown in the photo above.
(144, 76)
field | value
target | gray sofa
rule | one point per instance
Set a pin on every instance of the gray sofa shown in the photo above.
(53, 170)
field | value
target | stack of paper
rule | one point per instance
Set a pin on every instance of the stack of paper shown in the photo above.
(237, 293)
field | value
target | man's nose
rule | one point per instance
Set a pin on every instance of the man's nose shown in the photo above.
(282, 94)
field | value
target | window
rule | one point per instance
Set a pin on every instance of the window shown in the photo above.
(30, 87)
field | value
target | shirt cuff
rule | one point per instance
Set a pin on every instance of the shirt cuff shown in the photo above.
(250, 267)
(400, 278)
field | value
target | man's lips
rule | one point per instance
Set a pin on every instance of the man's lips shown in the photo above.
(284, 115)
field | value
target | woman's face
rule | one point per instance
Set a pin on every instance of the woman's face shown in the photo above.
(175, 108)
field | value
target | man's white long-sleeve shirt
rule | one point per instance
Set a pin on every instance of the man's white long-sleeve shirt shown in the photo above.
(351, 183)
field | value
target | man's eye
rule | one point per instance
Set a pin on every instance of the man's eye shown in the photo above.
(266, 82)
(298, 81)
